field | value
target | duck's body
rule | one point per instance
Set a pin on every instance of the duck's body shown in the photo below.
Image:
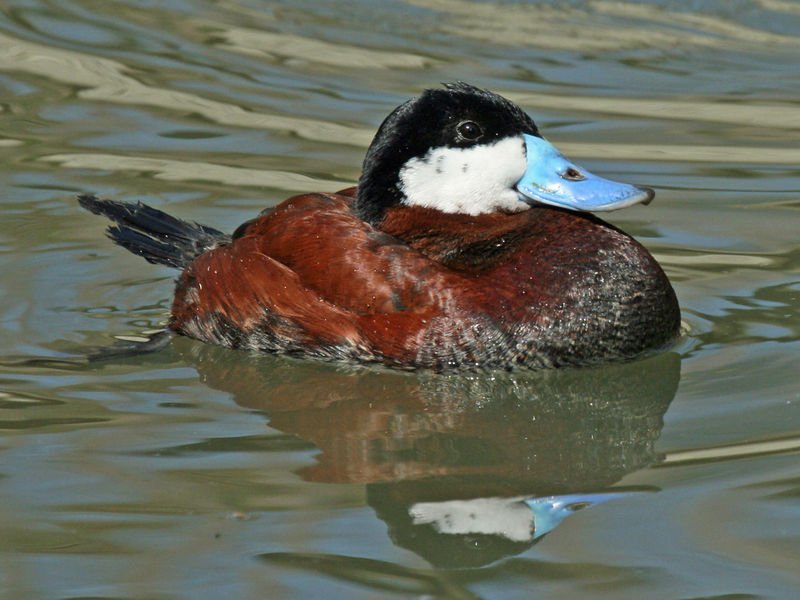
(412, 284)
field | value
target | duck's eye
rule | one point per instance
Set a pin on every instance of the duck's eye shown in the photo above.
(469, 130)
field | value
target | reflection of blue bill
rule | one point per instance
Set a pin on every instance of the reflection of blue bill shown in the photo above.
(510, 518)
(549, 511)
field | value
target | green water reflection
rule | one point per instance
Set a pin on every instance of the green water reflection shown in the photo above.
(463, 437)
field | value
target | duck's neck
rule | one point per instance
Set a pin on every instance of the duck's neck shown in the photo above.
(462, 242)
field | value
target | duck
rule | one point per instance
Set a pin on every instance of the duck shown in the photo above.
(469, 243)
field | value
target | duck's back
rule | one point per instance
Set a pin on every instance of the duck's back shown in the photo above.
(311, 279)
(539, 288)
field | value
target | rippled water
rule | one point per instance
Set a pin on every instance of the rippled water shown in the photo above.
(198, 472)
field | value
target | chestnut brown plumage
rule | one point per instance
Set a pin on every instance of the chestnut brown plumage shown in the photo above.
(411, 284)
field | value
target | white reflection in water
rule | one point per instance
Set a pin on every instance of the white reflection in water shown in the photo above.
(295, 48)
(177, 170)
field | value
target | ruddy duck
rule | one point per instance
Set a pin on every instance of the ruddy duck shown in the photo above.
(467, 244)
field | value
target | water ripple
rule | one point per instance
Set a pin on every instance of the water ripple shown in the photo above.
(599, 26)
(178, 170)
(302, 49)
(106, 79)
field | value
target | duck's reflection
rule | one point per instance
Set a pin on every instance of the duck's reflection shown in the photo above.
(463, 468)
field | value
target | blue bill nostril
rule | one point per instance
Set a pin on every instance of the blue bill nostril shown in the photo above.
(572, 174)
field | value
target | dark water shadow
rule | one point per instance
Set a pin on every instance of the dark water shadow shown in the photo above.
(464, 468)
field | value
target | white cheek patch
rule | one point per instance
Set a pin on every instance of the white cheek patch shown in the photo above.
(472, 181)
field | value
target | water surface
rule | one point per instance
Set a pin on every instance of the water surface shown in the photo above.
(199, 472)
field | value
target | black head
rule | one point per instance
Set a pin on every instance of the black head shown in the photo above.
(459, 116)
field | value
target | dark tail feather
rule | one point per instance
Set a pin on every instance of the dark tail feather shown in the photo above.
(152, 234)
